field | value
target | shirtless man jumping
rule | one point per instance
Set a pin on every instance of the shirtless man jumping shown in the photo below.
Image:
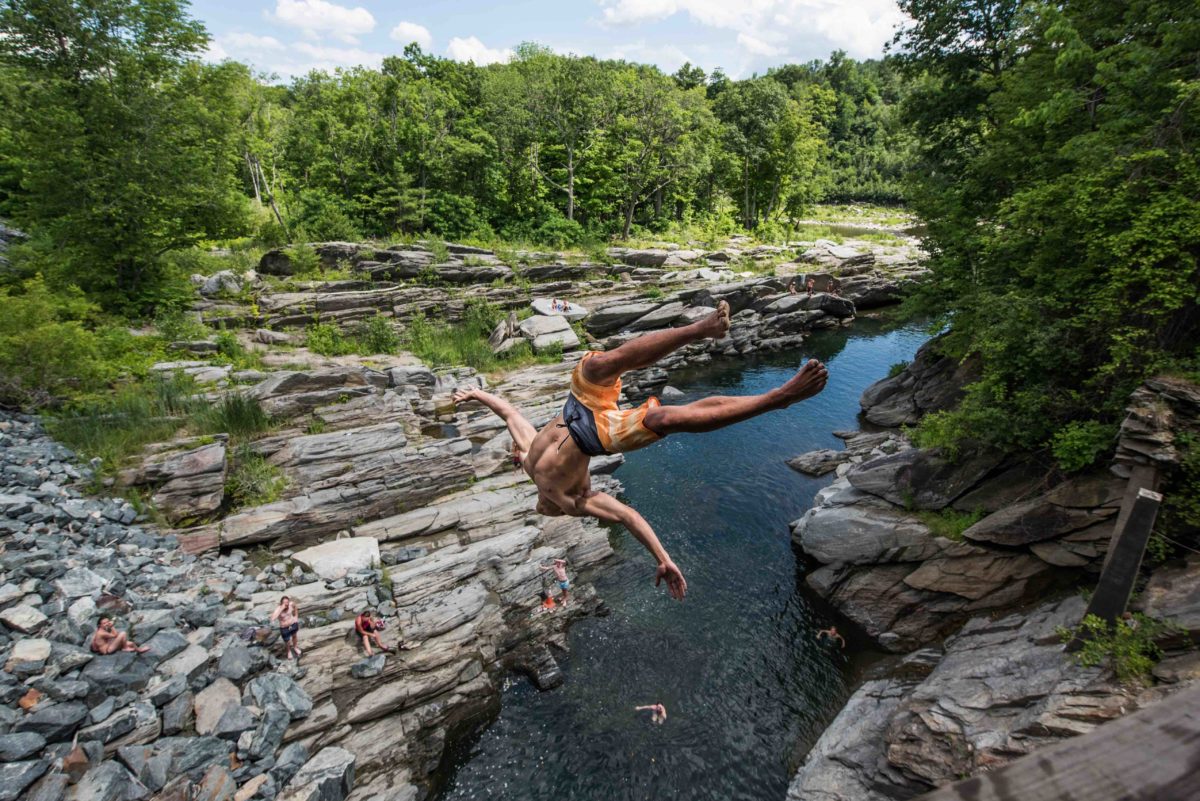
(591, 424)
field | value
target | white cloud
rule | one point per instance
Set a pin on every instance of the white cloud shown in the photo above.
(249, 42)
(317, 18)
(407, 32)
(668, 57)
(215, 52)
(755, 46)
(272, 56)
(771, 28)
(471, 49)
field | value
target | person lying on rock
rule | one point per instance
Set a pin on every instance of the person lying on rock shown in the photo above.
(289, 626)
(368, 626)
(832, 634)
(560, 573)
(107, 640)
(658, 713)
(591, 424)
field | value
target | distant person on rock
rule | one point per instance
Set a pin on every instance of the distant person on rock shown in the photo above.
(548, 604)
(792, 287)
(368, 626)
(658, 713)
(811, 285)
(831, 634)
(107, 640)
(289, 626)
(560, 573)
(592, 424)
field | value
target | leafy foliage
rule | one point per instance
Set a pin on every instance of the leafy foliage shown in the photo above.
(949, 523)
(1058, 178)
(1128, 647)
(253, 480)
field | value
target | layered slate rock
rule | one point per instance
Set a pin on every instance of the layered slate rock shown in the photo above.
(328, 776)
(932, 382)
(188, 484)
(335, 559)
(1003, 689)
(883, 567)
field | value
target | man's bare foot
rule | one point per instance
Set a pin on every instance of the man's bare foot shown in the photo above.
(716, 325)
(808, 381)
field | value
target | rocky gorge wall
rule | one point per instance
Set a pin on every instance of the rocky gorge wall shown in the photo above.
(983, 678)
(393, 499)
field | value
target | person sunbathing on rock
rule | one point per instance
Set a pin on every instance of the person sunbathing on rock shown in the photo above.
(658, 713)
(368, 626)
(107, 640)
(591, 424)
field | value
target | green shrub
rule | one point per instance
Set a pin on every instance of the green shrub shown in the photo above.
(896, 369)
(237, 415)
(306, 264)
(377, 335)
(253, 480)
(1128, 647)
(176, 325)
(652, 292)
(441, 253)
(117, 425)
(327, 340)
(1078, 444)
(949, 523)
(45, 348)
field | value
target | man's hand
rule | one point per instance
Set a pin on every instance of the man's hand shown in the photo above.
(463, 395)
(676, 584)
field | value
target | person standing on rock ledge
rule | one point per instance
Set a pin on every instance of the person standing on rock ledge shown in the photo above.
(289, 625)
(557, 461)
(560, 573)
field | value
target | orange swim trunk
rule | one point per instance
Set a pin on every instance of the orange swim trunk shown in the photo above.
(595, 422)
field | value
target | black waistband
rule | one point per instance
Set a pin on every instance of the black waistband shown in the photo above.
(581, 425)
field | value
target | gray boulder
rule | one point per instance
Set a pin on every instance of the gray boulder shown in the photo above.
(329, 776)
(16, 776)
(18, 746)
(55, 722)
(277, 690)
(369, 667)
(110, 781)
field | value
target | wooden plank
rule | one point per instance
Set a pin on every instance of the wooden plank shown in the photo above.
(1151, 755)
(1121, 570)
(1141, 476)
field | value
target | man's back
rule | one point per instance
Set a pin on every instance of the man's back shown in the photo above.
(556, 464)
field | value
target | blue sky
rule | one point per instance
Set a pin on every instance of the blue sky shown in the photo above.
(290, 37)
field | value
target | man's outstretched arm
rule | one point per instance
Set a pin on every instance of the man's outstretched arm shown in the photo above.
(603, 506)
(520, 429)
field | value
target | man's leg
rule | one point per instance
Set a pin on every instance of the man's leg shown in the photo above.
(605, 368)
(710, 414)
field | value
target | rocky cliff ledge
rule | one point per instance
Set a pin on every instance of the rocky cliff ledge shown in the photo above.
(974, 690)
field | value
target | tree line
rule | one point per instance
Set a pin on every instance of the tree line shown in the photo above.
(122, 145)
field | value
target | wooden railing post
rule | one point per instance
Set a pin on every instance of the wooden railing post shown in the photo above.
(1124, 560)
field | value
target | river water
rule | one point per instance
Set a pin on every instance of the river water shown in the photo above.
(736, 663)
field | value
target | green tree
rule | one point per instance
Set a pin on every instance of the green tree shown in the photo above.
(1062, 192)
(120, 139)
